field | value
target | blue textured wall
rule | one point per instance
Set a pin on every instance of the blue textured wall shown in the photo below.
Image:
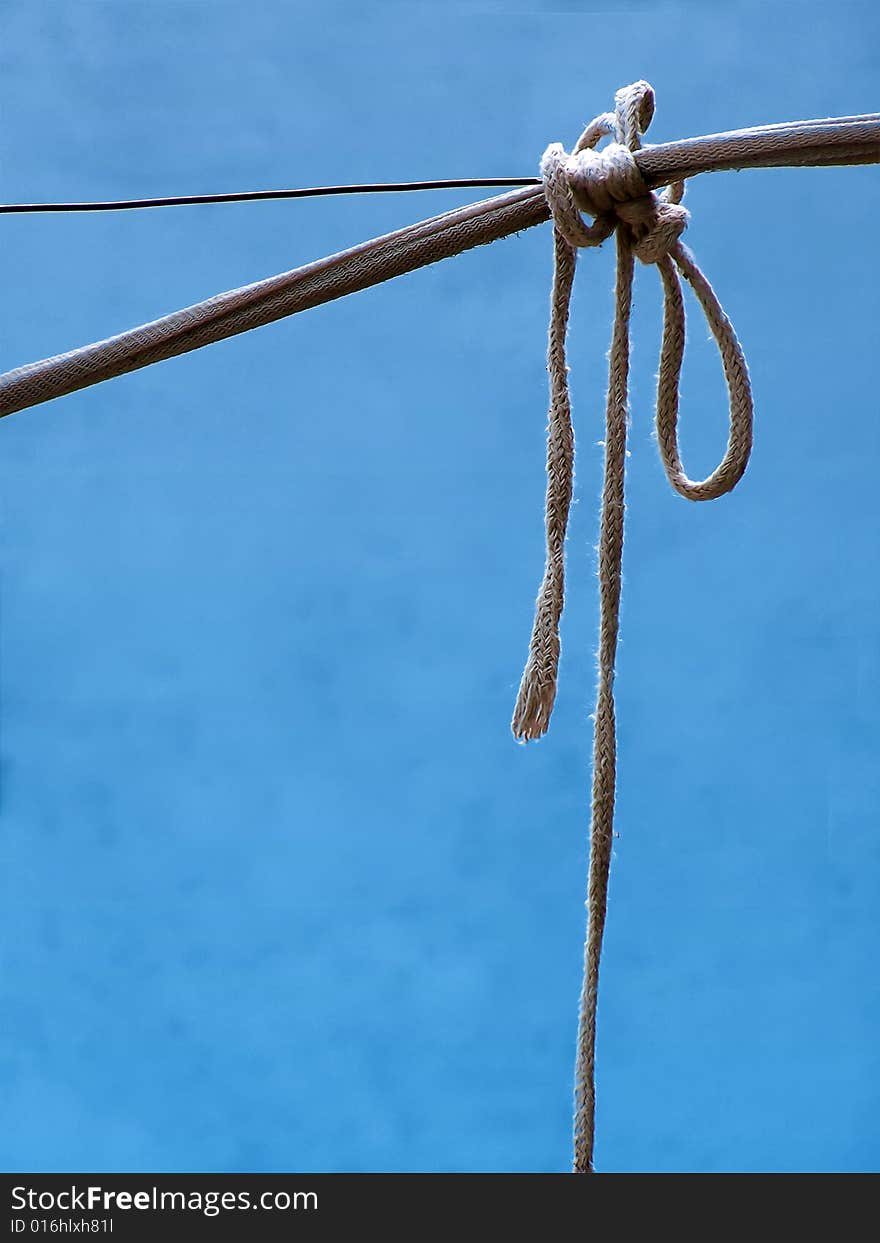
(279, 892)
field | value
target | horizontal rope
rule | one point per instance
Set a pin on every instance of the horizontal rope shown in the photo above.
(846, 140)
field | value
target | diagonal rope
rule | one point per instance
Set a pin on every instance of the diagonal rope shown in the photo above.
(833, 141)
(608, 185)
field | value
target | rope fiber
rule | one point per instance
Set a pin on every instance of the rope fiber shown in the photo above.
(607, 185)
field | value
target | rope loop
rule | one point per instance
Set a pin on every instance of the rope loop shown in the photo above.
(608, 186)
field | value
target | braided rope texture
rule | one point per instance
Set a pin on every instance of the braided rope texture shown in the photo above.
(608, 185)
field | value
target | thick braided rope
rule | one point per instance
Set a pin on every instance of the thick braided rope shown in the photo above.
(607, 185)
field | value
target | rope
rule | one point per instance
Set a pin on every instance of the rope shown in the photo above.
(834, 141)
(608, 186)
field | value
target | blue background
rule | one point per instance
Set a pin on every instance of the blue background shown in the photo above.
(279, 891)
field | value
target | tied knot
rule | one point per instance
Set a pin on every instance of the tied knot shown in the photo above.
(600, 180)
(655, 225)
(609, 186)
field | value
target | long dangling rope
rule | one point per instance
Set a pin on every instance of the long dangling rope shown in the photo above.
(608, 186)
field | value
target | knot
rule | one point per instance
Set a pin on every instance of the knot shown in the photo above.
(609, 186)
(655, 225)
(568, 194)
(600, 180)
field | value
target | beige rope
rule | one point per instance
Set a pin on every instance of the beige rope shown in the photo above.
(607, 185)
(826, 142)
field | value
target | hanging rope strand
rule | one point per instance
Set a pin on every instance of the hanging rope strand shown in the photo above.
(531, 715)
(732, 467)
(537, 691)
(605, 733)
(608, 185)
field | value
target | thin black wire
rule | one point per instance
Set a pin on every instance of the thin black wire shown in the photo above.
(187, 200)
